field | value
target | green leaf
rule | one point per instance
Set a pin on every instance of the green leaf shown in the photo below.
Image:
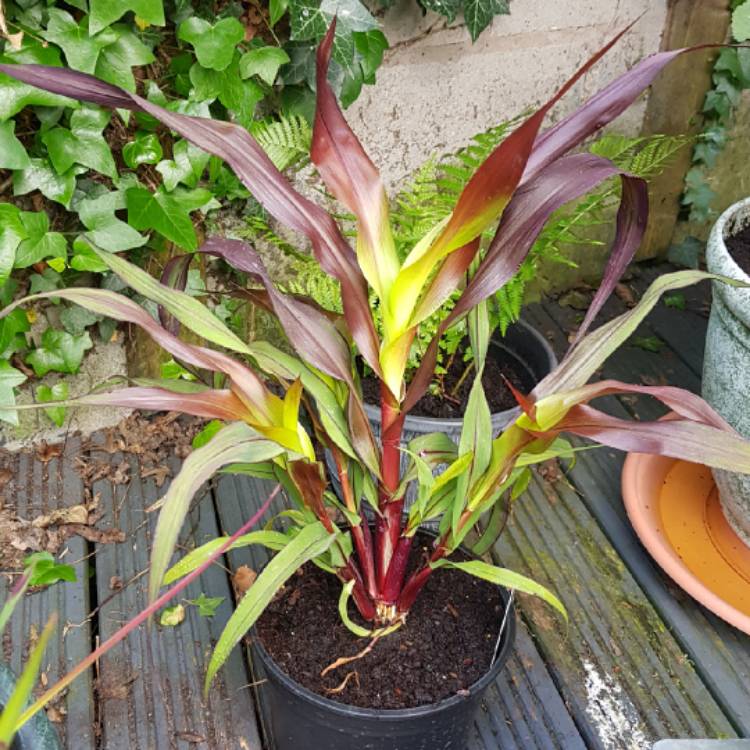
(58, 392)
(286, 140)
(12, 328)
(40, 243)
(238, 96)
(447, 8)
(370, 46)
(676, 300)
(205, 435)
(41, 176)
(504, 577)
(190, 312)
(263, 62)
(235, 443)
(312, 540)
(648, 343)
(18, 700)
(82, 144)
(76, 319)
(358, 630)
(172, 616)
(9, 379)
(741, 22)
(44, 571)
(12, 152)
(106, 12)
(46, 281)
(479, 13)
(195, 558)
(186, 166)
(116, 59)
(17, 95)
(12, 233)
(310, 20)
(276, 9)
(162, 212)
(214, 45)
(80, 47)
(145, 149)
(105, 229)
(207, 605)
(59, 352)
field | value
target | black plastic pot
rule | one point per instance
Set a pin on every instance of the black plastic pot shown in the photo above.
(37, 733)
(524, 345)
(295, 718)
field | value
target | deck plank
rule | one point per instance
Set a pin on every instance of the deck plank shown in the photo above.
(720, 653)
(38, 488)
(522, 711)
(150, 686)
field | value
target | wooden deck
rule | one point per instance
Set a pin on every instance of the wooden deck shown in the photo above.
(641, 661)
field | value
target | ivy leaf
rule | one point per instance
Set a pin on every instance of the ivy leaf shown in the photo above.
(12, 152)
(145, 149)
(741, 22)
(106, 12)
(698, 195)
(105, 230)
(81, 48)
(12, 328)
(263, 62)
(12, 233)
(40, 243)
(76, 319)
(676, 300)
(162, 212)
(9, 379)
(59, 352)
(238, 96)
(44, 571)
(445, 8)
(58, 392)
(207, 605)
(17, 95)
(370, 46)
(41, 176)
(214, 44)
(46, 281)
(116, 60)
(479, 13)
(648, 343)
(82, 144)
(276, 9)
(186, 166)
(310, 20)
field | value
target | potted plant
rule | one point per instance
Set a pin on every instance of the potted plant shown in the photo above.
(391, 569)
(726, 366)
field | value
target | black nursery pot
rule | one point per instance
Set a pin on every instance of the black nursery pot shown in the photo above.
(531, 356)
(37, 733)
(298, 719)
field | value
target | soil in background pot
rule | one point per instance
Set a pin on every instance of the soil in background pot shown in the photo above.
(500, 364)
(738, 246)
(445, 646)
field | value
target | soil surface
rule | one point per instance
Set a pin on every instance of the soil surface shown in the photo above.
(445, 646)
(452, 402)
(739, 248)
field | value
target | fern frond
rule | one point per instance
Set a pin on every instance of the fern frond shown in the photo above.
(286, 140)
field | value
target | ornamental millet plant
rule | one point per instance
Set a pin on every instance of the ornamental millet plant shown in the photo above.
(528, 177)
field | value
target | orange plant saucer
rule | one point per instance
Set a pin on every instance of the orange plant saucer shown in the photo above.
(675, 510)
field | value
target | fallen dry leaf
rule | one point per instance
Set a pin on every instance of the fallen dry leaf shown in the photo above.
(159, 473)
(46, 452)
(625, 293)
(243, 579)
(74, 514)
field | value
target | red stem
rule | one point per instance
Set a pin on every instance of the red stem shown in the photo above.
(388, 526)
(364, 603)
(394, 580)
(417, 581)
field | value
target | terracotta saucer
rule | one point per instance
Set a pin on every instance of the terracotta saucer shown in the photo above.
(675, 510)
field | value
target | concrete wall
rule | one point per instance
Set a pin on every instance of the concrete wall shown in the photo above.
(435, 89)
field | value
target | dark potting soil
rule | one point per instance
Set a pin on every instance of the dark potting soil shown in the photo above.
(739, 248)
(452, 406)
(445, 646)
